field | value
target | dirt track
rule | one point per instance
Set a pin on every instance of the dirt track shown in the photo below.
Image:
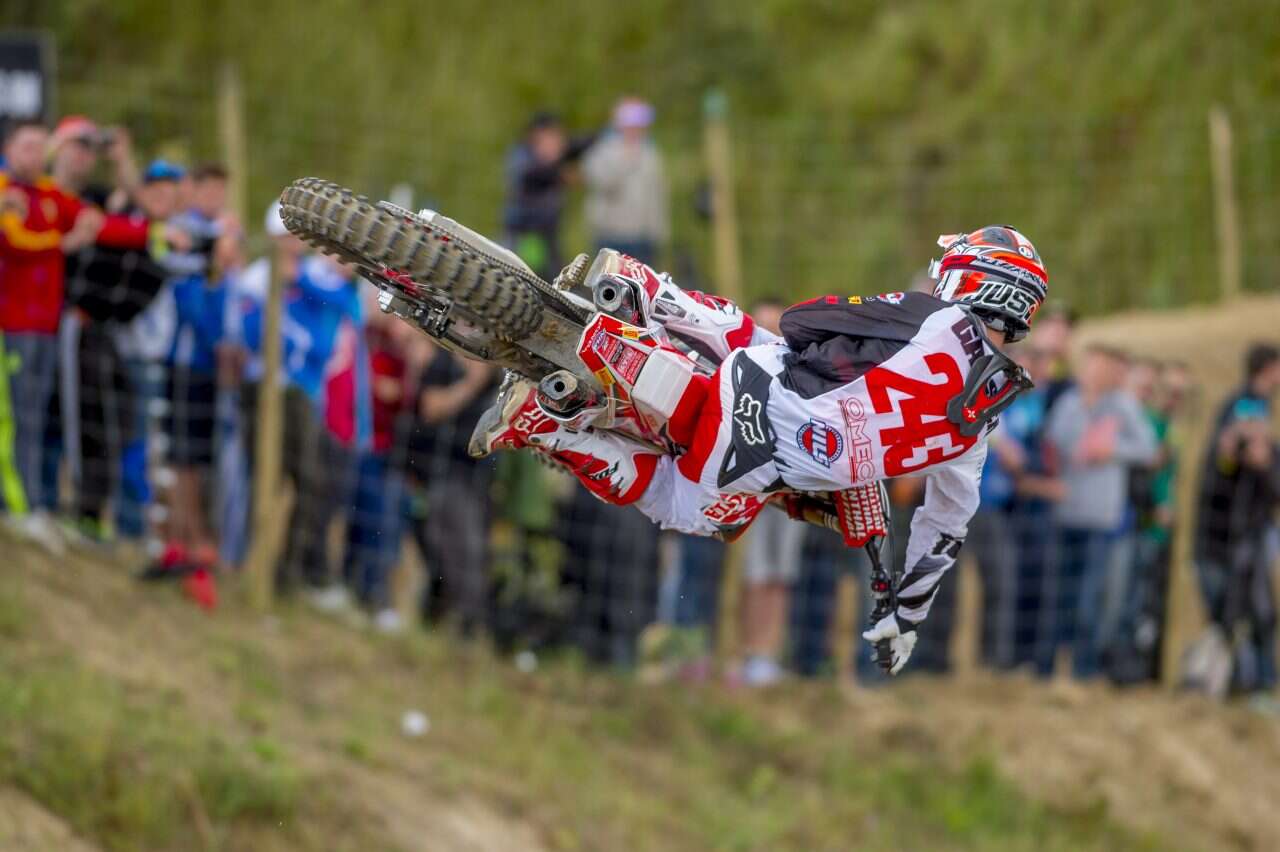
(1180, 766)
(1177, 765)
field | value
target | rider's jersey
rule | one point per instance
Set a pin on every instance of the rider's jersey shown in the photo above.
(856, 392)
(863, 396)
(863, 390)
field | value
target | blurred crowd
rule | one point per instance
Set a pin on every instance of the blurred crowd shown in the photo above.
(133, 319)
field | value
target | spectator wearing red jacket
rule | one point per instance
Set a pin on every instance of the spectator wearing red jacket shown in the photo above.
(39, 224)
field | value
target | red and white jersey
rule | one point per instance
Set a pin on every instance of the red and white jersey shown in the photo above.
(856, 392)
(861, 388)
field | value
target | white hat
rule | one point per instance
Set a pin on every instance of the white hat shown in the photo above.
(274, 223)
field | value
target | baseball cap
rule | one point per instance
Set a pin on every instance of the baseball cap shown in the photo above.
(274, 223)
(72, 127)
(159, 170)
(632, 112)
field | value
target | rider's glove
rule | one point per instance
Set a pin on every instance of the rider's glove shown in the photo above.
(901, 635)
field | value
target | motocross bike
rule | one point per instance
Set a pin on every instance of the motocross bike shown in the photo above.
(480, 300)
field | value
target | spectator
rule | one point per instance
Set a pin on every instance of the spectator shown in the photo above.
(347, 414)
(192, 391)
(1136, 655)
(612, 577)
(1054, 329)
(699, 566)
(538, 170)
(143, 343)
(529, 605)
(771, 563)
(453, 521)
(245, 320)
(1096, 431)
(74, 149)
(375, 526)
(320, 301)
(39, 224)
(1234, 536)
(1030, 508)
(993, 546)
(106, 289)
(626, 188)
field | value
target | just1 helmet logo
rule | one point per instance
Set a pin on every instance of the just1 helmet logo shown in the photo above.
(861, 453)
(1007, 297)
(822, 443)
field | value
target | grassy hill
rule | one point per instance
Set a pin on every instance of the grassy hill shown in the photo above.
(130, 720)
(862, 129)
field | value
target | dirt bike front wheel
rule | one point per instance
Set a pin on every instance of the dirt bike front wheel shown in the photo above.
(336, 220)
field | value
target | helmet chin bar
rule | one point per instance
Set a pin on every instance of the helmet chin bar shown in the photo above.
(981, 401)
(1013, 331)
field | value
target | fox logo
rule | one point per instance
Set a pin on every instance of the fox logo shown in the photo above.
(746, 416)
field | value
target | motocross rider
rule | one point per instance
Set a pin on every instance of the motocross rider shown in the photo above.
(856, 390)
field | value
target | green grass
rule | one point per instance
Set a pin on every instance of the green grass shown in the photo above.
(861, 129)
(225, 733)
(129, 767)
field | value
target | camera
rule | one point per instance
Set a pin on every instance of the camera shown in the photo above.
(104, 139)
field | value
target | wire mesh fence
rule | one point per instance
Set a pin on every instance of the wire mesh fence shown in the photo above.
(391, 520)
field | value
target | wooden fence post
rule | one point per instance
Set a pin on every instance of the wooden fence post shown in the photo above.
(1226, 207)
(235, 149)
(267, 524)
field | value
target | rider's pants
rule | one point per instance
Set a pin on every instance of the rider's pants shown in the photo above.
(722, 481)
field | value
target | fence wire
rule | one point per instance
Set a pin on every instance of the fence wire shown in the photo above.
(392, 524)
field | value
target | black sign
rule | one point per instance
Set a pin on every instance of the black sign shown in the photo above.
(26, 76)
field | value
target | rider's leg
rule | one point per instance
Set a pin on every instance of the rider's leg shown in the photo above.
(614, 468)
(675, 494)
(710, 325)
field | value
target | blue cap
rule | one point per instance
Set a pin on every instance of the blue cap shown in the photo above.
(158, 170)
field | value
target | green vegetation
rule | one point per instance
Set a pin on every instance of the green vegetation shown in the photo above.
(145, 724)
(130, 768)
(862, 128)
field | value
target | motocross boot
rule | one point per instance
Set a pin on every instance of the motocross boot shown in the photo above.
(708, 325)
(514, 416)
(614, 468)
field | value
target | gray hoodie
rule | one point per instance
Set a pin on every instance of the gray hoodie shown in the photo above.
(1097, 493)
(626, 191)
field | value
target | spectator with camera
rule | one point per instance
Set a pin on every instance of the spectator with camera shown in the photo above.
(1234, 543)
(538, 170)
(40, 223)
(75, 149)
(107, 288)
(192, 388)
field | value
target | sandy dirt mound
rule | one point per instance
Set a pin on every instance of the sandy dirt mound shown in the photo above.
(25, 825)
(1179, 765)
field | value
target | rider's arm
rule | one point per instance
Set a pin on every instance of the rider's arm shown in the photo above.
(937, 531)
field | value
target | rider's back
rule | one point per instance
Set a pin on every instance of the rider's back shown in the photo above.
(861, 389)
